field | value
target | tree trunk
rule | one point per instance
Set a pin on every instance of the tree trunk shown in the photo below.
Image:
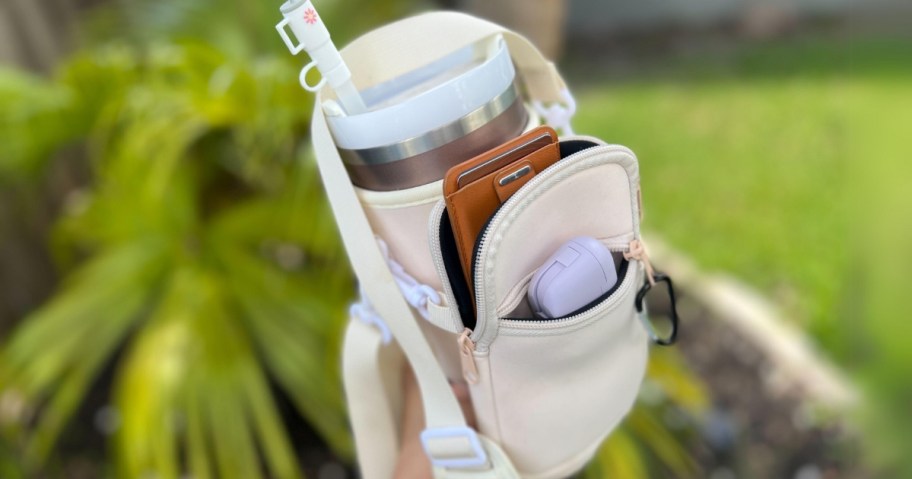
(541, 21)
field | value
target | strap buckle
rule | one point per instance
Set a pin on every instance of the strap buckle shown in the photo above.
(465, 436)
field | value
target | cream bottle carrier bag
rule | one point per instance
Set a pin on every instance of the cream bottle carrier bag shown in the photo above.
(546, 392)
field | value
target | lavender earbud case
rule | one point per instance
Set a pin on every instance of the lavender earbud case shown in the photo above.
(579, 272)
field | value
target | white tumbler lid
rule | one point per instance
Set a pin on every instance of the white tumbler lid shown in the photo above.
(427, 98)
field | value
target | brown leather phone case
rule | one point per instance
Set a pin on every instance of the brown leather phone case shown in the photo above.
(474, 189)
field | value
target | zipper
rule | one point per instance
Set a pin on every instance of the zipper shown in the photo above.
(467, 357)
(593, 313)
(519, 292)
(515, 296)
(437, 256)
(467, 346)
(483, 332)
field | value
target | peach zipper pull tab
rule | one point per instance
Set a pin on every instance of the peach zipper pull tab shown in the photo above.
(467, 355)
(638, 252)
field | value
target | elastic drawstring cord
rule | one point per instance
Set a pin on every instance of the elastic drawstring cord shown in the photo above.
(558, 116)
(417, 294)
(638, 252)
(363, 310)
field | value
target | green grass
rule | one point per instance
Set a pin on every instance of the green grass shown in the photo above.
(787, 166)
(747, 164)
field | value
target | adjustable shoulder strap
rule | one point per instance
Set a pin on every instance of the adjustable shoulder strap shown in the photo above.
(447, 439)
(377, 281)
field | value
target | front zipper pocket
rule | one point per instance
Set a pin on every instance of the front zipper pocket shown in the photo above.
(515, 307)
(551, 389)
(443, 246)
(590, 193)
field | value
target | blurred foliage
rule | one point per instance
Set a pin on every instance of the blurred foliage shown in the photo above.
(32, 127)
(203, 258)
(245, 29)
(202, 264)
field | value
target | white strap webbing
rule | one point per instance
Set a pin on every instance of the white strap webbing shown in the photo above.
(377, 282)
(372, 375)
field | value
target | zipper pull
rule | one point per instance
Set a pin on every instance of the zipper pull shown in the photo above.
(467, 354)
(637, 251)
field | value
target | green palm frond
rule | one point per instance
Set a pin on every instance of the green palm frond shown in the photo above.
(193, 368)
(618, 458)
(188, 227)
(33, 122)
(48, 364)
(668, 371)
(661, 443)
(299, 339)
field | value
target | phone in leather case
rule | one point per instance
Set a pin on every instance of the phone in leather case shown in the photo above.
(474, 189)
